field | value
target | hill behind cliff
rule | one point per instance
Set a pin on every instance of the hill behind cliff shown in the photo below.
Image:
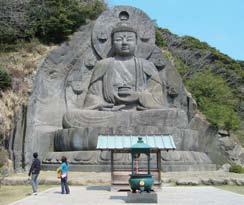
(214, 79)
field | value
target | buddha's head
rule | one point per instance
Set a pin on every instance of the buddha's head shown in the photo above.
(124, 40)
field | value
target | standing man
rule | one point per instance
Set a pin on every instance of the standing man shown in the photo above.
(34, 172)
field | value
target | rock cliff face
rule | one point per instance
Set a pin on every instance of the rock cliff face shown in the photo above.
(47, 103)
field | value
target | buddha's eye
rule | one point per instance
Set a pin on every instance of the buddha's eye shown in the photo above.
(130, 39)
(118, 39)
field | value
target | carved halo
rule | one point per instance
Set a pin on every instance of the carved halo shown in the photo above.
(101, 36)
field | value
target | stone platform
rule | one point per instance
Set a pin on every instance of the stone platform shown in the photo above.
(97, 161)
(143, 197)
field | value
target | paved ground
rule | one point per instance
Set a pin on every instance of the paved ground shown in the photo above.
(100, 195)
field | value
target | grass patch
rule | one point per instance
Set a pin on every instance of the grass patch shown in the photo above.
(236, 168)
(232, 188)
(9, 194)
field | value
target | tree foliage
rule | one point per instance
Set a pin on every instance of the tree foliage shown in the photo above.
(94, 9)
(159, 40)
(48, 20)
(54, 20)
(13, 20)
(215, 99)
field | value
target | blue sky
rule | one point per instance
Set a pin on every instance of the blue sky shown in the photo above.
(220, 23)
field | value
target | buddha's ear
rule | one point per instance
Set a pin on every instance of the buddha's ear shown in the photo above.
(136, 38)
(135, 52)
(136, 48)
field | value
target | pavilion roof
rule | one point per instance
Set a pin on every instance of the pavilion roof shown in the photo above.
(125, 142)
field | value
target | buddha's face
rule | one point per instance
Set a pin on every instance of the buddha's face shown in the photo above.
(124, 43)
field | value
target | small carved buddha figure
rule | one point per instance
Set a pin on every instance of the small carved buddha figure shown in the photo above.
(123, 81)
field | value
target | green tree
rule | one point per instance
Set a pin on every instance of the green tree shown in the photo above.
(94, 9)
(215, 99)
(54, 20)
(159, 38)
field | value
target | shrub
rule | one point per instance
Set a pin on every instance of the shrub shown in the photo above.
(159, 38)
(191, 42)
(215, 99)
(181, 67)
(237, 168)
(5, 79)
(94, 9)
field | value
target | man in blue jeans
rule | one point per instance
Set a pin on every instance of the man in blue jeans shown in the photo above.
(34, 172)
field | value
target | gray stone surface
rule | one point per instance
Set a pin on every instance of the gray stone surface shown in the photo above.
(225, 167)
(233, 150)
(92, 195)
(16, 143)
(64, 80)
(143, 197)
(189, 182)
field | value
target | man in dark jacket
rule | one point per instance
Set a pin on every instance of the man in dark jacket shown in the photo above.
(34, 172)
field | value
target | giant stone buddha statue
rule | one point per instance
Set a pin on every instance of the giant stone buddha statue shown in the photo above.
(122, 90)
(122, 81)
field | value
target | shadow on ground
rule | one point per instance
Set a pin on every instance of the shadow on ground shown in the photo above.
(123, 198)
(98, 188)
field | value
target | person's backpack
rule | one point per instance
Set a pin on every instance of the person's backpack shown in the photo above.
(59, 173)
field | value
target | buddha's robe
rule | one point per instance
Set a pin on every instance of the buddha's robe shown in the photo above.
(140, 75)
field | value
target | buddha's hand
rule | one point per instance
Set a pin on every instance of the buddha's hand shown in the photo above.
(130, 96)
(147, 100)
(101, 106)
(77, 87)
(114, 108)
